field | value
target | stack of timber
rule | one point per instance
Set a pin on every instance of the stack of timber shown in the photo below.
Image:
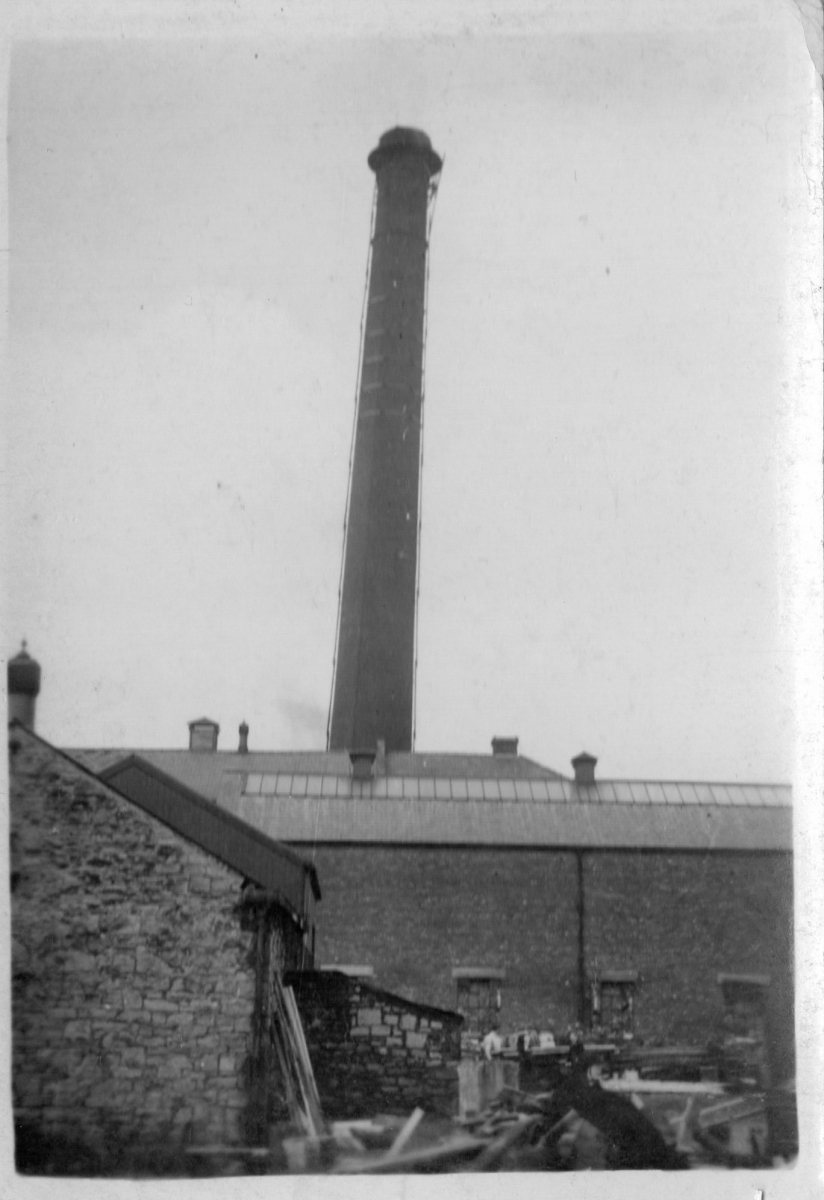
(293, 1058)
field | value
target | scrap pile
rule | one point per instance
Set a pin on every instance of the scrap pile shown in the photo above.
(581, 1124)
(575, 1122)
(578, 1126)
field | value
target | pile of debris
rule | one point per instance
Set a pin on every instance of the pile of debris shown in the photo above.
(577, 1122)
(578, 1126)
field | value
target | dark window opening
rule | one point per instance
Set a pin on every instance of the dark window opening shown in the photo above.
(745, 1025)
(479, 999)
(614, 1003)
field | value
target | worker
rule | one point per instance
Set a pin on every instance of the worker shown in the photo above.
(492, 1043)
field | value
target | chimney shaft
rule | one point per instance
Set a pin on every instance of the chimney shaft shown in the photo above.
(375, 661)
(243, 736)
(504, 745)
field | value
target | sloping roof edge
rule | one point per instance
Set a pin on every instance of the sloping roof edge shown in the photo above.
(240, 850)
(518, 824)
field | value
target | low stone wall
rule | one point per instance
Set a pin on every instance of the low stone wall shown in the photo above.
(373, 1052)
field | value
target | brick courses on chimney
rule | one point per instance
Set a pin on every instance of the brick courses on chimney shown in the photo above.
(375, 658)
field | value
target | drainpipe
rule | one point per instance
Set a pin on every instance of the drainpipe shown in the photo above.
(582, 979)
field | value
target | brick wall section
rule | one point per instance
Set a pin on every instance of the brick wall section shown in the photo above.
(373, 1052)
(680, 919)
(414, 913)
(133, 978)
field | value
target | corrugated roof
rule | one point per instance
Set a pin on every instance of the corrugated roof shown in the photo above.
(516, 823)
(559, 791)
(203, 770)
(473, 800)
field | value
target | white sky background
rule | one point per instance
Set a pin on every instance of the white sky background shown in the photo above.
(608, 412)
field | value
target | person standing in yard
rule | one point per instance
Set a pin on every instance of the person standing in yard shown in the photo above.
(492, 1043)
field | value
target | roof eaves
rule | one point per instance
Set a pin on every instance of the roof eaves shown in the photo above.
(698, 782)
(193, 798)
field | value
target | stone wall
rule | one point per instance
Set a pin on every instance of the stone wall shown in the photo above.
(134, 982)
(373, 1052)
(414, 913)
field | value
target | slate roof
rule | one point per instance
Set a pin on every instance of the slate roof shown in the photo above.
(485, 800)
(238, 843)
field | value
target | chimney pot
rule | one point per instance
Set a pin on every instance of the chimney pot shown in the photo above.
(584, 766)
(504, 745)
(23, 678)
(363, 762)
(203, 734)
(243, 744)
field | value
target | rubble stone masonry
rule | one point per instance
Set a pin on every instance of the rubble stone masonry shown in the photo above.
(373, 1052)
(133, 981)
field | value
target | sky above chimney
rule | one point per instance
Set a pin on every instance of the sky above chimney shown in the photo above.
(610, 416)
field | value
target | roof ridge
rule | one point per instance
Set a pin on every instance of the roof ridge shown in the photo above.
(557, 776)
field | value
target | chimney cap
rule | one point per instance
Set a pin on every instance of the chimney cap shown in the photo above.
(203, 734)
(23, 674)
(403, 140)
(204, 721)
(363, 762)
(504, 745)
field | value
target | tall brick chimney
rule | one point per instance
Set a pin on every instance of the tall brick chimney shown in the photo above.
(375, 661)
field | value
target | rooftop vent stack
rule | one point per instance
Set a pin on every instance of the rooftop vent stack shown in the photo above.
(23, 687)
(375, 659)
(584, 767)
(203, 734)
(363, 763)
(504, 746)
(243, 736)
